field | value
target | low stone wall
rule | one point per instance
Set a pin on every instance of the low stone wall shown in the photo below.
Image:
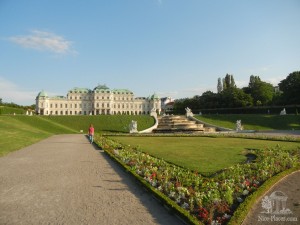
(149, 130)
(210, 125)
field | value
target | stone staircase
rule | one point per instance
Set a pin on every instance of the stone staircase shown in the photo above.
(172, 124)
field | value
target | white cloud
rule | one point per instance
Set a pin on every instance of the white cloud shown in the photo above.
(10, 92)
(44, 41)
(274, 80)
(242, 83)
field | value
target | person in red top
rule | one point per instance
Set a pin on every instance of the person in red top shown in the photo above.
(91, 133)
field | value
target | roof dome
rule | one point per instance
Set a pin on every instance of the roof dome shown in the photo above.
(42, 94)
(154, 96)
(101, 87)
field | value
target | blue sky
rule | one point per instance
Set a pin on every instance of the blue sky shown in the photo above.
(176, 48)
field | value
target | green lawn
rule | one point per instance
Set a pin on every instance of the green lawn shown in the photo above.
(10, 110)
(254, 122)
(15, 134)
(20, 130)
(203, 154)
(103, 123)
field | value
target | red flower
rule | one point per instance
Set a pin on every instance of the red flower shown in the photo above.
(153, 175)
(203, 213)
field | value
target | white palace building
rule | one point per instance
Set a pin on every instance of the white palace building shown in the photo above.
(100, 100)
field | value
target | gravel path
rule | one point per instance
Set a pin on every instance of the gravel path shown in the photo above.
(66, 180)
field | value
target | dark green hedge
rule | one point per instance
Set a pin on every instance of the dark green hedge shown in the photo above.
(290, 109)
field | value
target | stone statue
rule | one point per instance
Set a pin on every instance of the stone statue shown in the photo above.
(283, 112)
(153, 112)
(188, 112)
(133, 127)
(239, 125)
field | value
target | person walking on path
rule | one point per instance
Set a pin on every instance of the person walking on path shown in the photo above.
(91, 133)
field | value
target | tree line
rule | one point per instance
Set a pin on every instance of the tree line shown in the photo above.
(258, 93)
(14, 105)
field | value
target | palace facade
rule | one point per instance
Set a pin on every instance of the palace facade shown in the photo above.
(100, 100)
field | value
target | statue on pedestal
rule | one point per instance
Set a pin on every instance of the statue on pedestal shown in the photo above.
(188, 112)
(282, 112)
(153, 112)
(133, 127)
(239, 126)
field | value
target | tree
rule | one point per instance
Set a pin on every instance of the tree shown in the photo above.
(235, 97)
(219, 87)
(228, 82)
(0, 101)
(261, 92)
(209, 100)
(291, 88)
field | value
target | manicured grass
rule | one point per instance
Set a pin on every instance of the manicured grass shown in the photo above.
(20, 130)
(10, 110)
(44, 124)
(103, 123)
(254, 122)
(15, 134)
(202, 154)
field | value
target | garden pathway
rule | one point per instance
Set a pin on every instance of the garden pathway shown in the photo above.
(290, 187)
(66, 180)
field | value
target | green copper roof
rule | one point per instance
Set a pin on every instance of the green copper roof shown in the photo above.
(154, 96)
(101, 87)
(58, 97)
(122, 91)
(79, 90)
(42, 94)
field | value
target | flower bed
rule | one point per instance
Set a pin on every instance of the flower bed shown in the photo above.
(209, 200)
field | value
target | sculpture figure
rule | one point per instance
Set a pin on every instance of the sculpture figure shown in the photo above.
(239, 125)
(188, 112)
(133, 127)
(283, 112)
(153, 112)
